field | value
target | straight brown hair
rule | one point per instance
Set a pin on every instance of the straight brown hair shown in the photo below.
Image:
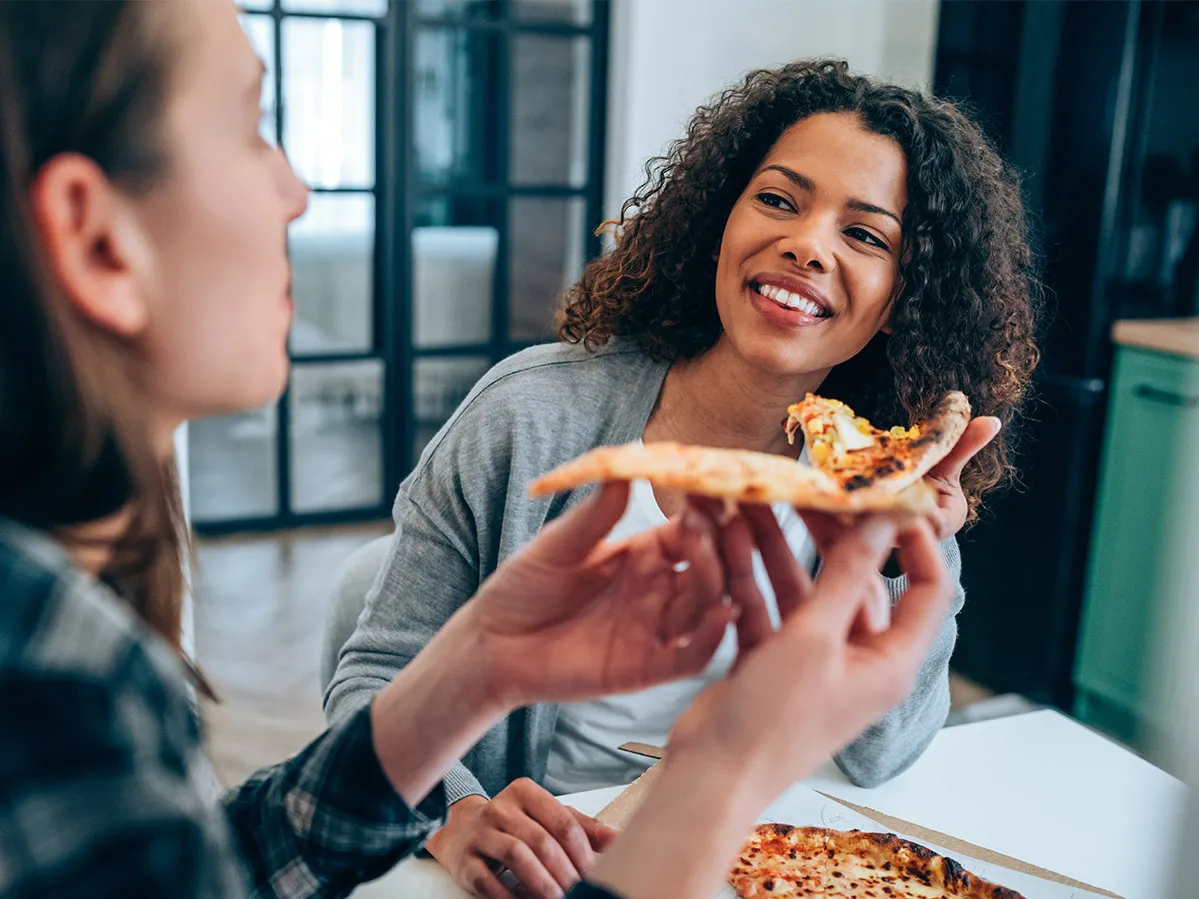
(86, 77)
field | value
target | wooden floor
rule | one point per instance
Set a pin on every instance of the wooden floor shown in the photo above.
(260, 615)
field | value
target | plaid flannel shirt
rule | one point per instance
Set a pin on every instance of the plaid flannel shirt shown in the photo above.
(101, 769)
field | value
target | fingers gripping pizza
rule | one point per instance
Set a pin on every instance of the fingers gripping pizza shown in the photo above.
(779, 861)
(859, 456)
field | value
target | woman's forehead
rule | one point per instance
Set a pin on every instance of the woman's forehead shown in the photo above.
(835, 151)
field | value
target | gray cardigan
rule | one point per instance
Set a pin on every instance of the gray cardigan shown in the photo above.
(464, 509)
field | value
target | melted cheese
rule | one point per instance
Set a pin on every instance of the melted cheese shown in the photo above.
(849, 435)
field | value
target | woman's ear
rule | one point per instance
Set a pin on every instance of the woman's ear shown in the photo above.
(94, 247)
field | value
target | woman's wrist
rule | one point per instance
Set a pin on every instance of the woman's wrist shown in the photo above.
(686, 831)
(434, 710)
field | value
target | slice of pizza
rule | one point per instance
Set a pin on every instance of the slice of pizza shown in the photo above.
(740, 475)
(858, 455)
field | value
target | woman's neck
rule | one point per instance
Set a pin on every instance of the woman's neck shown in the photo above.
(719, 399)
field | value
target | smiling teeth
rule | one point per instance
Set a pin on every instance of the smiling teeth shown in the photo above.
(790, 300)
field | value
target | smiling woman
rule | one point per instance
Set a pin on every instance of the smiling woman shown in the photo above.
(910, 194)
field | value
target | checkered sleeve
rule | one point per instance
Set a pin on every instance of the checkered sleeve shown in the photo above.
(98, 790)
(327, 819)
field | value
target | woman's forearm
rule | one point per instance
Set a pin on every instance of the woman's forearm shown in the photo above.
(435, 710)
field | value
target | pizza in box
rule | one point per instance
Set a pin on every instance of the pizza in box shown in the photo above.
(780, 861)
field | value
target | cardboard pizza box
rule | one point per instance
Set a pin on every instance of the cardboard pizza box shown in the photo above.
(620, 811)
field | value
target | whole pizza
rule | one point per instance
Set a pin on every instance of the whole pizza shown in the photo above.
(780, 861)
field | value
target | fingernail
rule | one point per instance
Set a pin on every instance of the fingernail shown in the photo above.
(693, 522)
(878, 532)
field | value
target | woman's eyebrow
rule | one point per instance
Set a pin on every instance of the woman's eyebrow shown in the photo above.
(803, 182)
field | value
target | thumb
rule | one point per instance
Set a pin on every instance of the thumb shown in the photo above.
(571, 537)
(599, 834)
(979, 432)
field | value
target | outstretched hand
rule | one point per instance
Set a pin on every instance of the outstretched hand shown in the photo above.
(572, 616)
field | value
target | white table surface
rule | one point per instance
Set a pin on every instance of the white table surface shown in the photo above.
(1038, 787)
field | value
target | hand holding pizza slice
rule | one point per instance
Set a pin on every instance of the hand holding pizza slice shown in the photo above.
(859, 456)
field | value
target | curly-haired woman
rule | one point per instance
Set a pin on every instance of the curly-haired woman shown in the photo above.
(812, 230)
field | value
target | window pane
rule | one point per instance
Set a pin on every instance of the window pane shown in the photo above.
(329, 101)
(455, 126)
(231, 466)
(547, 241)
(261, 31)
(577, 12)
(453, 271)
(255, 4)
(333, 7)
(332, 252)
(458, 9)
(336, 442)
(440, 385)
(550, 102)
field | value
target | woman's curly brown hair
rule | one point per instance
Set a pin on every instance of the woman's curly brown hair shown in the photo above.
(965, 315)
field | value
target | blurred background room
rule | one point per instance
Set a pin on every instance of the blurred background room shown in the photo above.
(461, 154)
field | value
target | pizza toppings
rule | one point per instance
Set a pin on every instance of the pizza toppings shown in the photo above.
(779, 860)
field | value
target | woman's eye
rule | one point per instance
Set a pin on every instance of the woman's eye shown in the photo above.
(774, 200)
(866, 237)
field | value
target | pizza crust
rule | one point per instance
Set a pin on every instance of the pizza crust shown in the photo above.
(741, 475)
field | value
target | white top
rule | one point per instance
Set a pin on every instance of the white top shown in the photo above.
(584, 754)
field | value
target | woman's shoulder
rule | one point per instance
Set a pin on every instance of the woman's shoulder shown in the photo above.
(58, 624)
(559, 398)
(570, 371)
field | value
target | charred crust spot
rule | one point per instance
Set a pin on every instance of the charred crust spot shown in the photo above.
(791, 854)
(768, 885)
(838, 874)
(887, 466)
(917, 874)
(955, 873)
(886, 866)
(926, 438)
(777, 830)
(857, 482)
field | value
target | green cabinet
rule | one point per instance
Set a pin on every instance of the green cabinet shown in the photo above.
(1145, 495)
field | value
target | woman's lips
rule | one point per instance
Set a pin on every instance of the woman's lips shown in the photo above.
(784, 314)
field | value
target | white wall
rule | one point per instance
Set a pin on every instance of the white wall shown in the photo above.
(669, 56)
